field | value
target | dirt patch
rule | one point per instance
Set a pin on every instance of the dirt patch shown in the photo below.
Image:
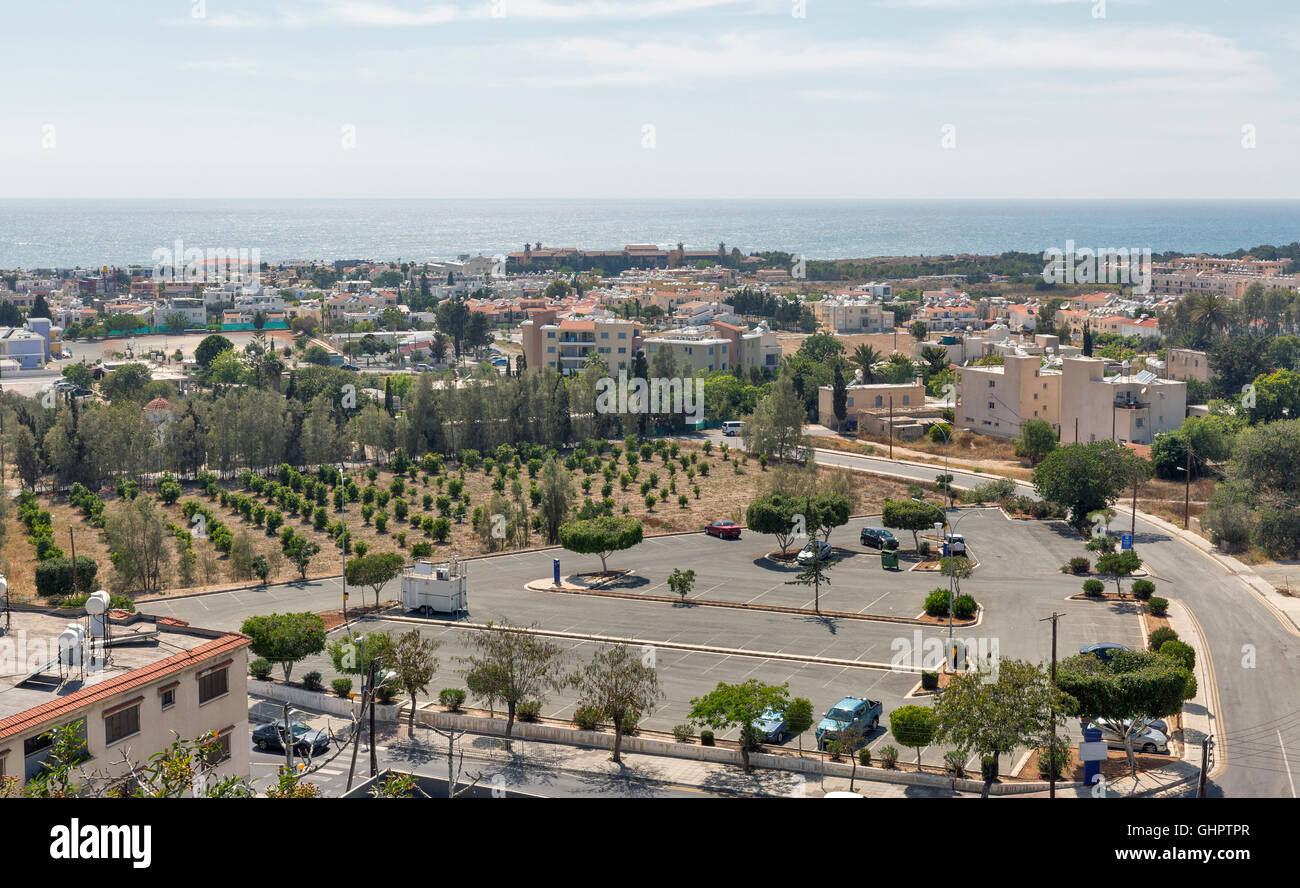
(1114, 767)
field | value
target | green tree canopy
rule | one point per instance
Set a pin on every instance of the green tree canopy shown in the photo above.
(285, 638)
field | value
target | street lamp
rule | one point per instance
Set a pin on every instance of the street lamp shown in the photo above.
(4, 587)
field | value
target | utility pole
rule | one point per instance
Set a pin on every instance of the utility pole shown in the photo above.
(73, 539)
(1133, 526)
(356, 730)
(1051, 753)
(374, 758)
(1205, 766)
(891, 426)
(1187, 485)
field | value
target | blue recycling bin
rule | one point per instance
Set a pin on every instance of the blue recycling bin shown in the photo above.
(555, 567)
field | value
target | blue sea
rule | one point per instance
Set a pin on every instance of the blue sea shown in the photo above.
(62, 233)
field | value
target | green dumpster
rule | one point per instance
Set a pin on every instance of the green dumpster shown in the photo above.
(889, 559)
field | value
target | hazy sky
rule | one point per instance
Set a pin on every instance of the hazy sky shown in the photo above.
(651, 98)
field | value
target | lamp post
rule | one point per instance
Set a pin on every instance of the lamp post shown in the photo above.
(4, 587)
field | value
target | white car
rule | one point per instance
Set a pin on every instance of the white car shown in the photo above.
(956, 544)
(1149, 740)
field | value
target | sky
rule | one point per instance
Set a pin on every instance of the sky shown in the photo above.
(651, 98)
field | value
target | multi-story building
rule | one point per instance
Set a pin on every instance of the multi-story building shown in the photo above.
(751, 348)
(869, 397)
(844, 315)
(565, 344)
(999, 399)
(693, 351)
(128, 684)
(1187, 363)
(1129, 408)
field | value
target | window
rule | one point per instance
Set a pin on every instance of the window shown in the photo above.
(622, 336)
(221, 751)
(122, 724)
(906, 399)
(212, 685)
(1035, 396)
(604, 334)
(1139, 422)
(168, 698)
(991, 405)
(880, 401)
(992, 383)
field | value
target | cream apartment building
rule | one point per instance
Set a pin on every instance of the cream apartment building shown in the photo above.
(998, 400)
(839, 315)
(693, 352)
(566, 344)
(869, 397)
(161, 678)
(1187, 363)
(1129, 408)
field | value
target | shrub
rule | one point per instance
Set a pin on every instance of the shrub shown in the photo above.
(1143, 589)
(1079, 565)
(1093, 588)
(452, 698)
(528, 710)
(421, 549)
(936, 603)
(587, 718)
(260, 669)
(706, 738)
(342, 686)
(1180, 652)
(683, 733)
(929, 680)
(954, 762)
(864, 757)
(1158, 608)
(1062, 746)
(889, 756)
(923, 549)
(54, 575)
(963, 607)
(1157, 638)
(311, 681)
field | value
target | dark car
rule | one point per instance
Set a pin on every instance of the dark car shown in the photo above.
(878, 538)
(353, 367)
(1102, 649)
(726, 530)
(305, 740)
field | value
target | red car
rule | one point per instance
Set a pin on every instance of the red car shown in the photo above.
(726, 530)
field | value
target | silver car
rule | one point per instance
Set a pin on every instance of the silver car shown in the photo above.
(1148, 740)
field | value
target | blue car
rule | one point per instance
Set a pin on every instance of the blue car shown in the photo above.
(1102, 649)
(851, 713)
(772, 724)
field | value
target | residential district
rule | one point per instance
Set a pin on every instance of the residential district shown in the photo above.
(299, 528)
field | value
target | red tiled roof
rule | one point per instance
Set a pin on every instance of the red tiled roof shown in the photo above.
(65, 706)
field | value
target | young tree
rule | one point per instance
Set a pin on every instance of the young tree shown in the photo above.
(415, 662)
(513, 665)
(557, 497)
(375, 570)
(681, 582)
(1119, 565)
(600, 536)
(300, 551)
(775, 430)
(141, 545)
(621, 686)
(814, 573)
(913, 516)
(1036, 441)
(799, 718)
(913, 726)
(776, 514)
(994, 712)
(738, 706)
(285, 638)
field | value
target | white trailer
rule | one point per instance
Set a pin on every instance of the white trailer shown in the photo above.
(435, 588)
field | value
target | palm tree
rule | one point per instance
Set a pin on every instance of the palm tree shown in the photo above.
(1209, 311)
(865, 358)
(936, 357)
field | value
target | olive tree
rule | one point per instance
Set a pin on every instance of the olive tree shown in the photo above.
(600, 536)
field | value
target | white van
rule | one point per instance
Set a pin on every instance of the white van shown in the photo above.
(732, 429)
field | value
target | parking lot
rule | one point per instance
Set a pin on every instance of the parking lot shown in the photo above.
(1018, 582)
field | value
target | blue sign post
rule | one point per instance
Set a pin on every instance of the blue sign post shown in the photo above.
(555, 566)
(1126, 541)
(1092, 752)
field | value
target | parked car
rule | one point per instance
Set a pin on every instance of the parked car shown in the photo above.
(1102, 649)
(1149, 740)
(421, 368)
(353, 367)
(956, 544)
(851, 712)
(816, 550)
(878, 538)
(305, 740)
(731, 429)
(725, 530)
(772, 724)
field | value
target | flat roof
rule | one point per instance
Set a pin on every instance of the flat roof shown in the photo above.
(142, 650)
